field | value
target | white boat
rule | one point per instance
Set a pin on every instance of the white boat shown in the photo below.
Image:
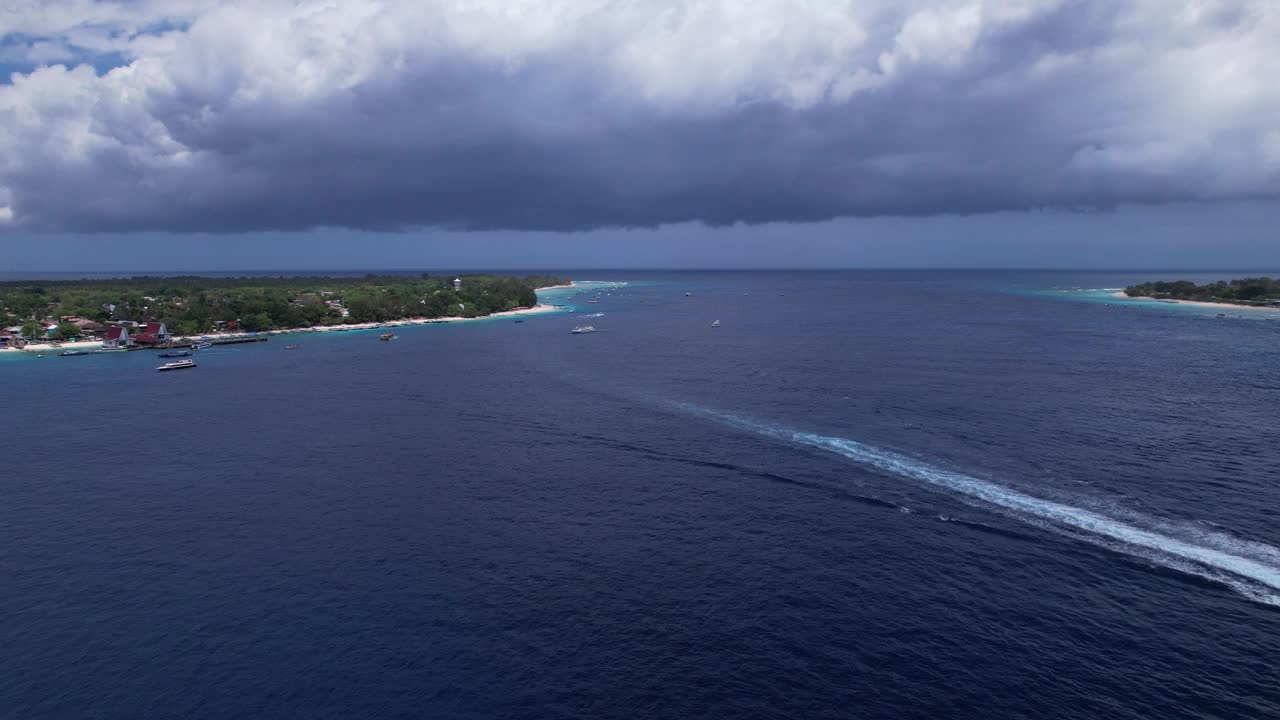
(114, 349)
(178, 365)
(715, 323)
(202, 346)
(583, 329)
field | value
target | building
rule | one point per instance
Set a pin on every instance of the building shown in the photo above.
(457, 284)
(117, 337)
(10, 339)
(92, 327)
(153, 334)
(87, 326)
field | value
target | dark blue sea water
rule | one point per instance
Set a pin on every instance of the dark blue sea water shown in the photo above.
(865, 495)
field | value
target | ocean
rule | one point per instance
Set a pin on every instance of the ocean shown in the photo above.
(866, 494)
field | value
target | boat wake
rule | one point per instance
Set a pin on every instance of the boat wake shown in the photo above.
(1250, 568)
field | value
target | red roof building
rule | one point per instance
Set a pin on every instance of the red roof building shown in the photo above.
(153, 334)
(117, 336)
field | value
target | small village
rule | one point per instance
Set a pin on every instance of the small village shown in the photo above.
(115, 336)
(80, 317)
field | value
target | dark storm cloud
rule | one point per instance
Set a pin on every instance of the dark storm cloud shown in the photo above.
(565, 117)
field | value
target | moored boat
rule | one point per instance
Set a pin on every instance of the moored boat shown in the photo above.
(178, 365)
(177, 354)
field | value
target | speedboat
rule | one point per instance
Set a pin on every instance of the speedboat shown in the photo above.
(178, 365)
(387, 337)
(519, 321)
(715, 323)
(583, 329)
(292, 347)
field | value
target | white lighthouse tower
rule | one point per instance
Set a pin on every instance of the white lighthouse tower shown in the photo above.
(457, 284)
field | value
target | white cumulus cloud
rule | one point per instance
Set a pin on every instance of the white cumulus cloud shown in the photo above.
(568, 114)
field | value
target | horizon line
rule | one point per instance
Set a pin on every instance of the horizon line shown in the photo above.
(449, 270)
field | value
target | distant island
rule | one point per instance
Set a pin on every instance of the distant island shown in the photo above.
(1249, 292)
(190, 306)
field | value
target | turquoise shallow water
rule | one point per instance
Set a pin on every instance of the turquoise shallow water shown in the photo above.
(1107, 296)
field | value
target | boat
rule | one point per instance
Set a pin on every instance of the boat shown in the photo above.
(69, 353)
(178, 365)
(178, 354)
(387, 337)
(583, 329)
(202, 346)
(114, 349)
(519, 321)
(688, 294)
(292, 347)
(593, 302)
(715, 323)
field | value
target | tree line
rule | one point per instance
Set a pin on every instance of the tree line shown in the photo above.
(192, 305)
(1244, 290)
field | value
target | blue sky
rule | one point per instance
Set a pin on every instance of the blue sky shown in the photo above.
(190, 134)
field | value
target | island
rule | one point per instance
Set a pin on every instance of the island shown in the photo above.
(156, 310)
(1257, 292)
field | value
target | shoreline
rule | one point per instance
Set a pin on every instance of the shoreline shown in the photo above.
(1200, 303)
(540, 309)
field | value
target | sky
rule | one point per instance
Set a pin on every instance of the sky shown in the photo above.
(190, 134)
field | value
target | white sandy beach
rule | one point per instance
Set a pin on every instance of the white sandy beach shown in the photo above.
(538, 309)
(45, 347)
(1201, 303)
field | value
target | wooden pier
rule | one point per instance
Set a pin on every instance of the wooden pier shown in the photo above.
(192, 342)
(238, 340)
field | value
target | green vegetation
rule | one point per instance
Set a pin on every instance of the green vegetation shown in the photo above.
(1246, 291)
(197, 305)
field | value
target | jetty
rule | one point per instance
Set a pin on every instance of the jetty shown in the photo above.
(212, 340)
(238, 340)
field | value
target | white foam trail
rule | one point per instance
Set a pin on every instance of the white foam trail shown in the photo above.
(1217, 556)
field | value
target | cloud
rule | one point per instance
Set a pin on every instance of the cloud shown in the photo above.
(576, 114)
